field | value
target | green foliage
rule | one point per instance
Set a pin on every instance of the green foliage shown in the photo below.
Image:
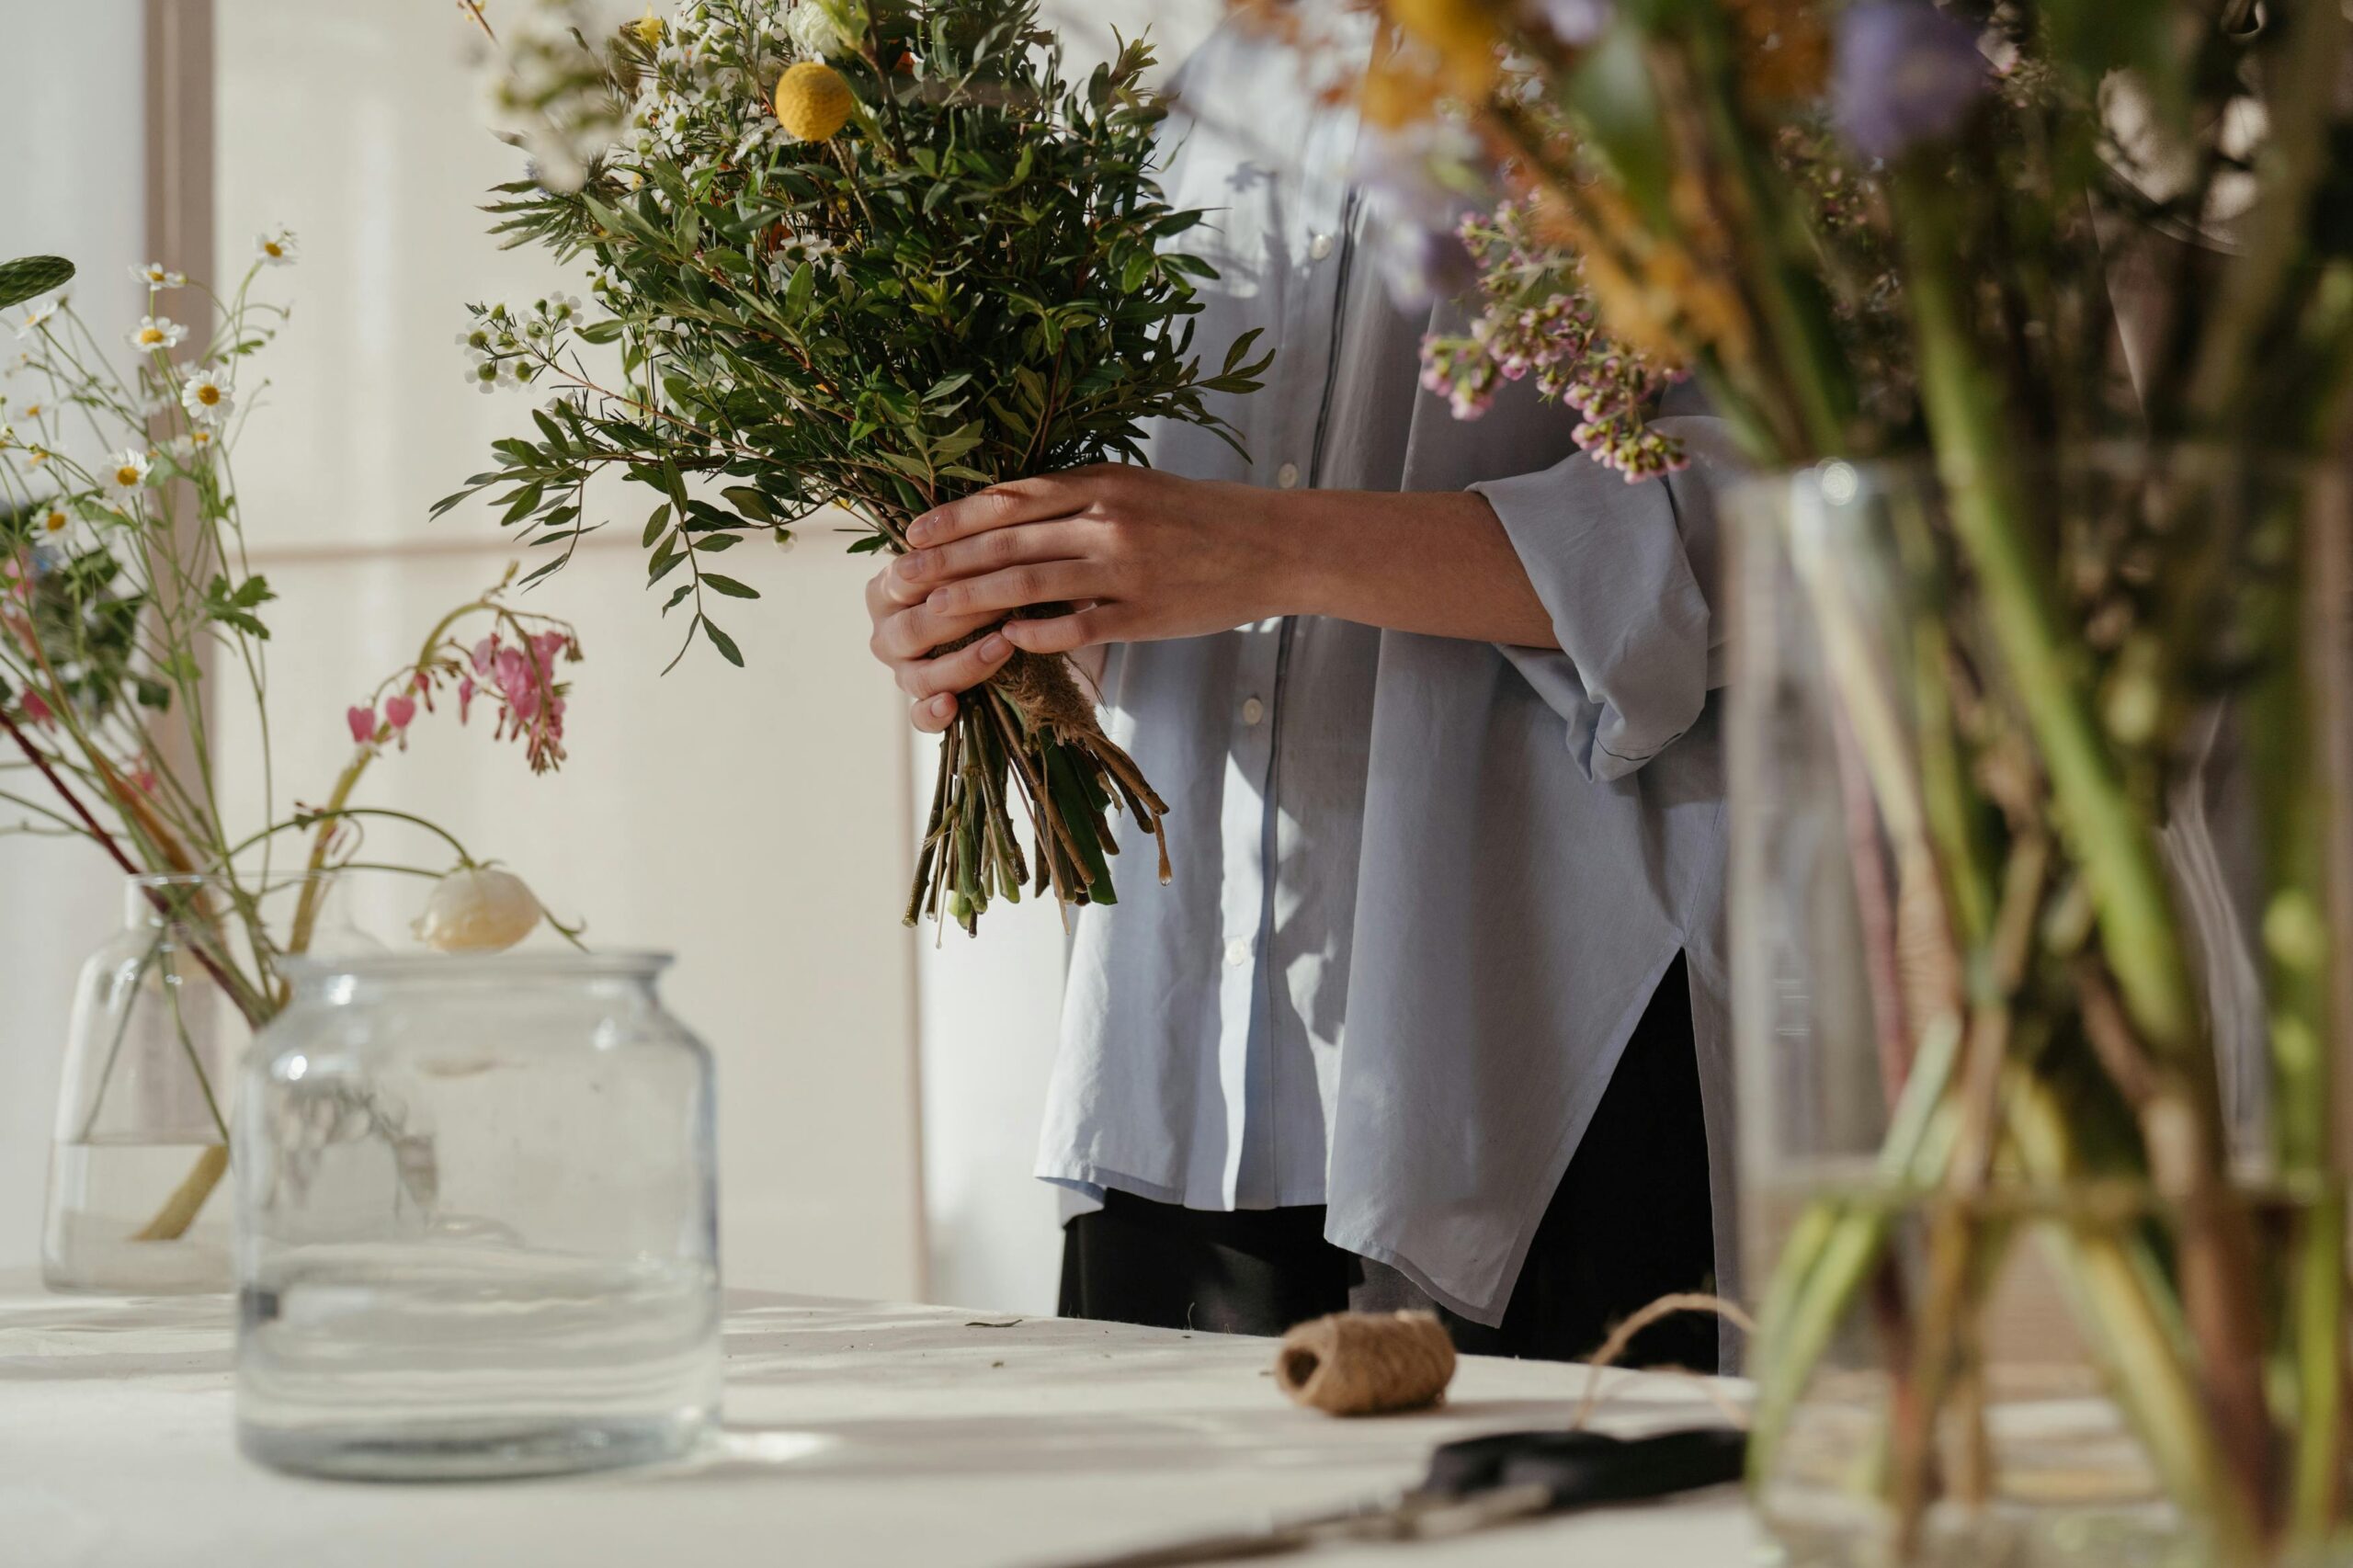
(29, 275)
(971, 283)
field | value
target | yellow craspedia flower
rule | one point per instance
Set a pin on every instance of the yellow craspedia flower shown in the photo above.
(648, 28)
(1465, 34)
(813, 102)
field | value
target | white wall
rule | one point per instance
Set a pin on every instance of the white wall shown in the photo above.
(752, 821)
(72, 187)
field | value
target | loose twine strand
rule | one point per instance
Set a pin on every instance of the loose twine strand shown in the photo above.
(1367, 1363)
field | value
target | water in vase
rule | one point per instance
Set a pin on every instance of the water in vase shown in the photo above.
(106, 1195)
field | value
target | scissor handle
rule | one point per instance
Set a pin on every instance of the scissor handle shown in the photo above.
(1581, 1468)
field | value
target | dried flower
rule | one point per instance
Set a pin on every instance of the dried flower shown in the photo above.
(1540, 321)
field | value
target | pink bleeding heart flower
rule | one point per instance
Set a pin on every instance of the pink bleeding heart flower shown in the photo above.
(465, 696)
(398, 711)
(363, 723)
(485, 651)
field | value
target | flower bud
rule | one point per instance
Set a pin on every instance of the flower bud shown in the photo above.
(477, 909)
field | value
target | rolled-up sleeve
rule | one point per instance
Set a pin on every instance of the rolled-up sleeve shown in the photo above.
(1627, 573)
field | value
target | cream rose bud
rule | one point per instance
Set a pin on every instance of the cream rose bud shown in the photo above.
(478, 910)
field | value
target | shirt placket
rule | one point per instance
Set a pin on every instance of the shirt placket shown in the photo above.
(1282, 455)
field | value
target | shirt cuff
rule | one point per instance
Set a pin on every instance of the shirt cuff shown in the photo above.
(1609, 561)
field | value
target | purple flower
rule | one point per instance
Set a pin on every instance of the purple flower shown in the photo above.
(1574, 21)
(1906, 74)
(1412, 211)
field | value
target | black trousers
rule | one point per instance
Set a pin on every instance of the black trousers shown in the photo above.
(1630, 1221)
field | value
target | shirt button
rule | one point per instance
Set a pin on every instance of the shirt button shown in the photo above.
(1319, 248)
(1288, 476)
(1237, 953)
(1253, 710)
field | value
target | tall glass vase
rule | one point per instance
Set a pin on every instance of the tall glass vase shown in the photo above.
(2041, 785)
(137, 1201)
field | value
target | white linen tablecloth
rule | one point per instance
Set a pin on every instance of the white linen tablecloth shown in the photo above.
(857, 1434)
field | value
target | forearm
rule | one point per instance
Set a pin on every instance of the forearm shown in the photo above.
(1437, 562)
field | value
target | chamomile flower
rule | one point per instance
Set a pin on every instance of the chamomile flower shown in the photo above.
(275, 248)
(54, 517)
(33, 410)
(187, 449)
(156, 276)
(38, 317)
(156, 334)
(207, 395)
(125, 476)
(37, 456)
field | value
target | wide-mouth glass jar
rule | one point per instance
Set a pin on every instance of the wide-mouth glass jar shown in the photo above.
(476, 1220)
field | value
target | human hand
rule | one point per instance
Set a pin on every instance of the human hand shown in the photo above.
(906, 631)
(1124, 554)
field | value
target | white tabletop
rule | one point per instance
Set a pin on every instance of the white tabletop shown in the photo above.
(857, 1434)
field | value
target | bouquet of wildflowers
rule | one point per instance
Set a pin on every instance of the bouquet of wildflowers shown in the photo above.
(867, 256)
(123, 581)
(2004, 238)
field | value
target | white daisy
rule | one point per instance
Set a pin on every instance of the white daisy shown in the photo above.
(126, 476)
(156, 276)
(37, 456)
(185, 449)
(54, 518)
(275, 248)
(207, 396)
(33, 409)
(156, 334)
(37, 316)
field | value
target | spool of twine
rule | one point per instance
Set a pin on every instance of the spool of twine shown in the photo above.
(1363, 1363)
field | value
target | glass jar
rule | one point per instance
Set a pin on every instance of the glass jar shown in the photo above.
(2040, 845)
(161, 1013)
(477, 1223)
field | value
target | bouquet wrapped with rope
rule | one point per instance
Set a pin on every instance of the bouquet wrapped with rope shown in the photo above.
(865, 256)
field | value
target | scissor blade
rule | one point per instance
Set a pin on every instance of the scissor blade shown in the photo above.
(1274, 1539)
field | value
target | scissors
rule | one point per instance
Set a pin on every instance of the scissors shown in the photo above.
(1479, 1481)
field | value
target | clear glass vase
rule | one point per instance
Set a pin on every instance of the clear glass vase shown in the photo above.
(476, 1221)
(161, 1013)
(2040, 844)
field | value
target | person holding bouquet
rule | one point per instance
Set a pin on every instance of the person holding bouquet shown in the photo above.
(1433, 1012)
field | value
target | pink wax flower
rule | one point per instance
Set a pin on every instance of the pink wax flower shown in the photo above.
(363, 723)
(36, 710)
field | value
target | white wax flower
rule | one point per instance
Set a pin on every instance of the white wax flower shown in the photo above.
(477, 909)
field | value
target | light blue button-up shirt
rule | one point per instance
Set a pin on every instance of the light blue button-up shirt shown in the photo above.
(1424, 887)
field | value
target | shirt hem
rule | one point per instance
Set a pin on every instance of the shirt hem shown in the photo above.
(1091, 1181)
